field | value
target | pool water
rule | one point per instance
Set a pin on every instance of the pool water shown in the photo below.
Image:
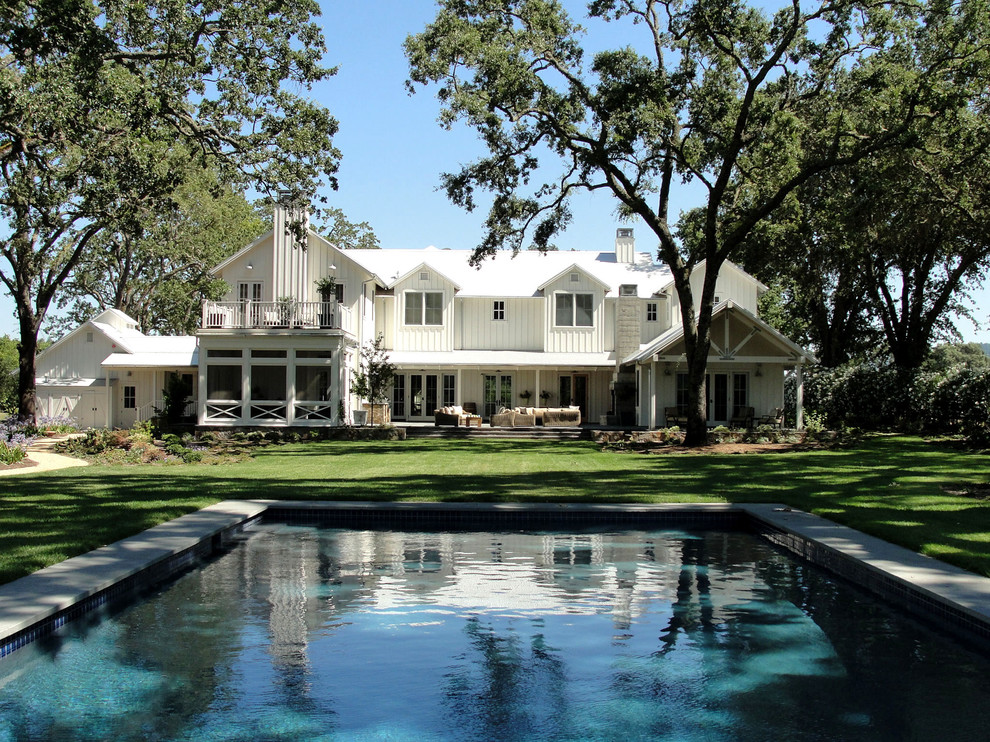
(314, 634)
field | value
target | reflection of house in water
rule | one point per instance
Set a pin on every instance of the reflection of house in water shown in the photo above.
(316, 580)
(586, 573)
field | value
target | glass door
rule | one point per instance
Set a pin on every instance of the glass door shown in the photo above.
(498, 392)
(574, 392)
(422, 395)
(725, 401)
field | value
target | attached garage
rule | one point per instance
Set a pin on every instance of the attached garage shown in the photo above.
(84, 400)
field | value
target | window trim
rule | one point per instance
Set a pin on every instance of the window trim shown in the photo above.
(252, 295)
(573, 309)
(422, 308)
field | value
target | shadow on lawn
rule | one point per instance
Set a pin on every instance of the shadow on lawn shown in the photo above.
(50, 517)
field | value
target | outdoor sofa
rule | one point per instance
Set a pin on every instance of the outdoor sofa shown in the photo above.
(528, 416)
(456, 416)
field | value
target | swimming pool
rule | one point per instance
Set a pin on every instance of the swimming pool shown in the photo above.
(303, 633)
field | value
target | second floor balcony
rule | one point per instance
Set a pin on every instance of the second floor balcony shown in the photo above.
(275, 315)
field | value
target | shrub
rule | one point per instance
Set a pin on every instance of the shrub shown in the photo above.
(719, 434)
(11, 454)
(57, 424)
(142, 431)
(16, 435)
(876, 395)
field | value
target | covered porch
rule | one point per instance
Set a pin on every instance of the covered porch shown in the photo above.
(747, 365)
(490, 380)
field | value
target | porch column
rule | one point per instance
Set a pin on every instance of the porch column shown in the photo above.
(290, 392)
(537, 390)
(799, 411)
(337, 382)
(652, 422)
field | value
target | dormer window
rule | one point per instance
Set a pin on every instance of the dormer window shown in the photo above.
(574, 310)
(424, 308)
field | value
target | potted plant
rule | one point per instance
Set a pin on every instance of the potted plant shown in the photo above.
(373, 380)
(286, 308)
(525, 396)
(545, 397)
(327, 286)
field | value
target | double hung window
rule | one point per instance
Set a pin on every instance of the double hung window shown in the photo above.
(424, 308)
(574, 310)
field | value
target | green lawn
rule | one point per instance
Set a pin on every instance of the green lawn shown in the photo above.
(885, 485)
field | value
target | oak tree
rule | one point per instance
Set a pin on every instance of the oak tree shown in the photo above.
(748, 104)
(96, 94)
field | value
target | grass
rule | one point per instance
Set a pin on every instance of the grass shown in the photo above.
(889, 486)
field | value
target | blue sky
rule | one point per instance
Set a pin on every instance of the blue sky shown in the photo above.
(394, 150)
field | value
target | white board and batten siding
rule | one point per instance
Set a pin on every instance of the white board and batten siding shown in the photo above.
(432, 338)
(80, 357)
(575, 339)
(259, 258)
(732, 283)
(521, 328)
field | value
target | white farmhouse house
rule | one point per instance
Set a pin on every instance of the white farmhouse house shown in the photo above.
(599, 331)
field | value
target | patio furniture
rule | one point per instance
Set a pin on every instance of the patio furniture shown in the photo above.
(743, 418)
(775, 418)
(506, 418)
(674, 416)
(455, 416)
(561, 417)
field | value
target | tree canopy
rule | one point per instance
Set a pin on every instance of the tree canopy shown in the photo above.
(748, 104)
(104, 104)
(885, 250)
(160, 276)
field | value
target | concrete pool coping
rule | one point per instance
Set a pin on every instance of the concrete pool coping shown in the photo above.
(37, 605)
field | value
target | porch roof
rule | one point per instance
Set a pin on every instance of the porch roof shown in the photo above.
(152, 360)
(790, 351)
(501, 359)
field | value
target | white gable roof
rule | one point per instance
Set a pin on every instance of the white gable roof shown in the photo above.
(676, 333)
(504, 275)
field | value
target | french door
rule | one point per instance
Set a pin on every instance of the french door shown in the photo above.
(422, 395)
(574, 392)
(726, 395)
(498, 392)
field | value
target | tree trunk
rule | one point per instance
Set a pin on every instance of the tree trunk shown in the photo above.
(27, 398)
(697, 423)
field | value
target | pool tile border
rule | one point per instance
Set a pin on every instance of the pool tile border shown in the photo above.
(39, 604)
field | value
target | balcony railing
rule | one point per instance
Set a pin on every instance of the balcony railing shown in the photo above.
(244, 315)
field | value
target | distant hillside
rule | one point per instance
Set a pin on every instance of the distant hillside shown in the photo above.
(986, 348)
